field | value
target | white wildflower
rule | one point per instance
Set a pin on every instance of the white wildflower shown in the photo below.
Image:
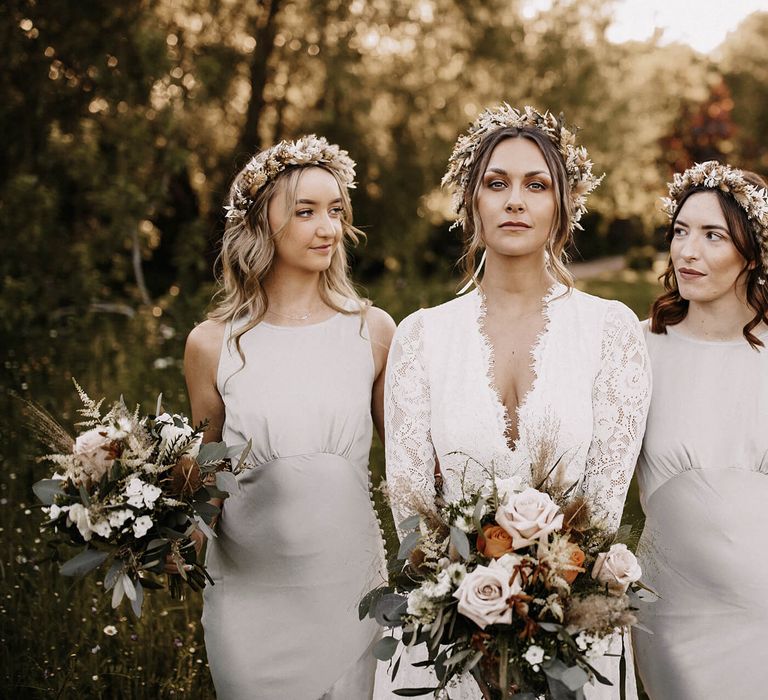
(141, 525)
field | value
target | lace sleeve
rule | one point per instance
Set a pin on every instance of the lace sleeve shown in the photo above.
(620, 399)
(409, 451)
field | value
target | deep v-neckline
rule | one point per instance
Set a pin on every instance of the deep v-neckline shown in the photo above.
(502, 413)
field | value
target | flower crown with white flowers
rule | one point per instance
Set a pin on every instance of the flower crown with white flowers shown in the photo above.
(716, 176)
(578, 166)
(267, 165)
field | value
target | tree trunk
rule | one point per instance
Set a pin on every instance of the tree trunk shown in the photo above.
(264, 30)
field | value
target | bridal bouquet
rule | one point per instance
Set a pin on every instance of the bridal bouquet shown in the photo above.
(132, 489)
(520, 587)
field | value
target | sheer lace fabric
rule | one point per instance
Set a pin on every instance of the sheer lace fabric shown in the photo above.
(590, 396)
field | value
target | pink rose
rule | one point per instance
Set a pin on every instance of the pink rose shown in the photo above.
(529, 517)
(484, 593)
(617, 568)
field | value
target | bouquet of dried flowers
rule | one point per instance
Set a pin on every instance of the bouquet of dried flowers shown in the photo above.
(130, 489)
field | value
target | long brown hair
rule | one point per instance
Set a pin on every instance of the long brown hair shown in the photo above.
(560, 235)
(670, 308)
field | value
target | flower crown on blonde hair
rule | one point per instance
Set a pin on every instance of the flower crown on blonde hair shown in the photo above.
(578, 166)
(267, 165)
(716, 176)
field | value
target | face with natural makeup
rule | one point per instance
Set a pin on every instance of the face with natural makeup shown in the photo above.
(516, 200)
(707, 264)
(310, 227)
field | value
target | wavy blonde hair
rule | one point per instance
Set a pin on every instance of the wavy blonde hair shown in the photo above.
(560, 235)
(248, 253)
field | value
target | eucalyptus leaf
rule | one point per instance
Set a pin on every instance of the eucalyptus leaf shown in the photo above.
(204, 528)
(128, 587)
(550, 626)
(211, 452)
(410, 522)
(226, 481)
(84, 562)
(408, 544)
(385, 648)
(390, 609)
(112, 575)
(246, 449)
(207, 511)
(574, 677)
(137, 602)
(47, 489)
(458, 657)
(460, 541)
(368, 601)
(117, 592)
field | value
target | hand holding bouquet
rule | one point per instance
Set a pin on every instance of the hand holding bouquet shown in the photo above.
(520, 587)
(133, 489)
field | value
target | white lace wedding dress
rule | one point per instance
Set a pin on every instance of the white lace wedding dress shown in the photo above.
(590, 393)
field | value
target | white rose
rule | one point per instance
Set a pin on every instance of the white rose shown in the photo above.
(141, 525)
(529, 517)
(483, 596)
(617, 568)
(508, 562)
(91, 449)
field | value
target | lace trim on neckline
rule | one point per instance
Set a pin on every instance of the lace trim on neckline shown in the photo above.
(503, 419)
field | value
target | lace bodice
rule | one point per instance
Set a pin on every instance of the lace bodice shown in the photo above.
(589, 397)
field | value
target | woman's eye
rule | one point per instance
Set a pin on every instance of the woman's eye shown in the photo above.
(678, 231)
(714, 236)
(337, 211)
(537, 186)
(495, 184)
(304, 212)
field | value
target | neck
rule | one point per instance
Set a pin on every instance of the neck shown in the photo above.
(293, 292)
(722, 319)
(517, 283)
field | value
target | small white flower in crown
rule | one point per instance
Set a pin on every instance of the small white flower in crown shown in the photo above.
(578, 166)
(267, 165)
(713, 175)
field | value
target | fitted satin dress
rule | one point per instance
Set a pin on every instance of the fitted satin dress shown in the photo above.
(703, 475)
(299, 544)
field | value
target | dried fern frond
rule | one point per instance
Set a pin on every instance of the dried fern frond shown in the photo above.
(45, 428)
(91, 411)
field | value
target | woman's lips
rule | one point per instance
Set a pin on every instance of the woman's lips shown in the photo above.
(688, 274)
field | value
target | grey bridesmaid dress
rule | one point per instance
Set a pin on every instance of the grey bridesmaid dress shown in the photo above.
(299, 544)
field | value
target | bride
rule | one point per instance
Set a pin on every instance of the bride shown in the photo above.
(490, 373)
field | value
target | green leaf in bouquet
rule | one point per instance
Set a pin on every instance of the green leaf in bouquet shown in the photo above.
(206, 493)
(460, 542)
(84, 496)
(390, 609)
(226, 482)
(118, 591)
(564, 682)
(458, 657)
(413, 692)
(385, 648)
(473, 661)
(138, 601)
(410, 522)
(204, 528)
(84, 562)
(408, 544)
(477, 515)
(550, 626)
(367, 602)
(396, 667)
(212, 452)
(46, 490)
(159, 404)
(207, 511)
(113, 574)
(151, 584)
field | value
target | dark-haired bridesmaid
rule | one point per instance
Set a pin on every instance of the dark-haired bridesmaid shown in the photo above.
(703, 469)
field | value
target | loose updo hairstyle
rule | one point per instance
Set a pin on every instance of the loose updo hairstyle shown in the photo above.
(670, 308)
(559, 237)
(248, 252)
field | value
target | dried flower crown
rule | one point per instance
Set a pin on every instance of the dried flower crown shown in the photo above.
(716, 176)
(267, 165)
(578, 166)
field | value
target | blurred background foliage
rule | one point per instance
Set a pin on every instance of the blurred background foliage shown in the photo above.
(123, 124)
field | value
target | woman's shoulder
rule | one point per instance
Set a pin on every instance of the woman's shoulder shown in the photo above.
(442, 315)
(380, 325)
(205, 339)
(604, 308)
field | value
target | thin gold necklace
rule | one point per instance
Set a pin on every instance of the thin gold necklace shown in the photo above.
(292, 318)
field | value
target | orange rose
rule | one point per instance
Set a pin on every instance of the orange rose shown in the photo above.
(577, 559)
(495, 542)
